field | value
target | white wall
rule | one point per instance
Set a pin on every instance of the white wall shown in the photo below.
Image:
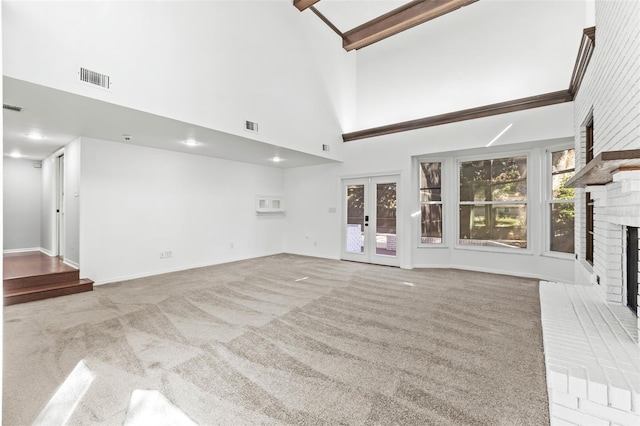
(136, 202)
(1, 234)
(484, 53)
(22, 188)
(48, 231)
(72, 165)
(214, 64)
(312, 227)
(312, 191)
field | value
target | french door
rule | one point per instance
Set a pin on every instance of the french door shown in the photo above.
(369, 220)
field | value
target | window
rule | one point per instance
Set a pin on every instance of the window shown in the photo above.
(589, 230)
(561, 204)
(589, 141)
(588, 200)
(493, 202)
(431, 203)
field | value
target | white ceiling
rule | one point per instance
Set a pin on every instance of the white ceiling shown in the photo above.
(61, 117)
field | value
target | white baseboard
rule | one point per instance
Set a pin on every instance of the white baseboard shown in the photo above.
(492, 271)
(47, 252)
(71, 263)
(177, 269)
(22, 250)
(309, 254)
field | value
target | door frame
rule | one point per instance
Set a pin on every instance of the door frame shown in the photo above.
(59, 205)
(369, 255)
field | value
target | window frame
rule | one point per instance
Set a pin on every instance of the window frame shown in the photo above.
(527, 202)
(443, 201)
(589, 148)
(589, 229)
(548, 201)
(588, 226)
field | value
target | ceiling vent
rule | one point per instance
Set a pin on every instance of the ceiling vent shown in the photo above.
(95, 78)
(250, 126)
(11, 107)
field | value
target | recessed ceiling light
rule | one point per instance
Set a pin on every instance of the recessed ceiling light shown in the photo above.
(15, 154)
(277, 159)
(35, 136)
(191, 142)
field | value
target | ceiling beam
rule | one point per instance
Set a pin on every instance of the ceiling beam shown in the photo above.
(400, 19)
(466, 114)
(303, 4)
(326, 21)
(587, 45)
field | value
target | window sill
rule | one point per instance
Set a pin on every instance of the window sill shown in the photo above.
(524, 252)
(558, 255)
(433, 246)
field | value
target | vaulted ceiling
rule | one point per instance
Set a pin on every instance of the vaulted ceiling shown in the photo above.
(361, 28)
(61, 117)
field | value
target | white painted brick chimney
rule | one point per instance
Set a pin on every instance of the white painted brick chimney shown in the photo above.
(610, 94)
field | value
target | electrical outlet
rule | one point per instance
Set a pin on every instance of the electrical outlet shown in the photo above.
(231, 246)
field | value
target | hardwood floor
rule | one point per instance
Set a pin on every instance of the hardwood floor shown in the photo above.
(18, 265)
(34, 276)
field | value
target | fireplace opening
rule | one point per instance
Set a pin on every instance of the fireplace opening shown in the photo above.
(632, 269)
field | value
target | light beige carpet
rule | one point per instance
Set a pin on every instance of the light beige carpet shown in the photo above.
(289, 340)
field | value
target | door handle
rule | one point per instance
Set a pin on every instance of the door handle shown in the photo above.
(366, 220)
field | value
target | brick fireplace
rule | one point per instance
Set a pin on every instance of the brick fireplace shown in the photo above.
(616, 211)
(590, 334)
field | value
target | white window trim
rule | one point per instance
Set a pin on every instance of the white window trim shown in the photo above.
(491, 156)
(546, 202)
(444, 167)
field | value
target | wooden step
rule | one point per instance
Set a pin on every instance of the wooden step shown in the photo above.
(40, 279)
(22, 295)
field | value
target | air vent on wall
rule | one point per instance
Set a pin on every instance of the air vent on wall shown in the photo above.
(250, 126)
(95, 78)
(11, 107)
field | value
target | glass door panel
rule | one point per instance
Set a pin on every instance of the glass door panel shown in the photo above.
(369, 224)
(386, 219)
(355, 236)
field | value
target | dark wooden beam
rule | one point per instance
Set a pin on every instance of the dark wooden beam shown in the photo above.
(587, 45)
(400, 19)
(303, 4)
(326, 21)
(600, 170)
(466, 114)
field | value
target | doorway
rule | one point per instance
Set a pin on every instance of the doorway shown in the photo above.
(369, 230)
(60, 205)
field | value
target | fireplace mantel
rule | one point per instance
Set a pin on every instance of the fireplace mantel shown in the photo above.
(600, 170)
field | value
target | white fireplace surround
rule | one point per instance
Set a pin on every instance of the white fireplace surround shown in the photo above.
(616, 206)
